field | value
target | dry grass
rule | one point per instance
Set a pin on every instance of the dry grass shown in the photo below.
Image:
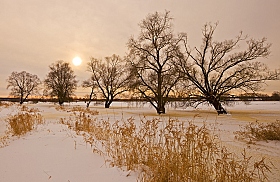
(4, 141)
(77, 109)
(21, 123)
(259, 131)
(5, 104)
(29, 110)
(24, 121)
(166, 151)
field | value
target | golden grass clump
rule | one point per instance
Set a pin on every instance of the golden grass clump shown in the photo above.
(259, 131)
(4, 141)
(60, 108)
(171, 151)
(5, 104)
(24, 121)
(84, 110)
(77, 109)
(27, 109)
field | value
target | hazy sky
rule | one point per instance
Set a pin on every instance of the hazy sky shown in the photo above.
(36, 33)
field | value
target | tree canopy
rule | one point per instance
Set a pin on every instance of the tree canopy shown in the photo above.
(110, 77)
(61, 81)
(151, 58)
(218, 67)
(23, 84)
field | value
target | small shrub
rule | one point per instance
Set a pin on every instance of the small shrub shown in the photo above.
(21, 123)
(259, 131)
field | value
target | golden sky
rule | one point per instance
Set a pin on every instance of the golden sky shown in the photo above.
(36, 33)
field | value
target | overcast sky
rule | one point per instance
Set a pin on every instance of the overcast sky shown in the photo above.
(36, 33)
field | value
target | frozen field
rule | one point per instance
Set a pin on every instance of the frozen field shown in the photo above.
(53, 152)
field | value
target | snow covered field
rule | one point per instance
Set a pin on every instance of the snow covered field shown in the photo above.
(53, 152)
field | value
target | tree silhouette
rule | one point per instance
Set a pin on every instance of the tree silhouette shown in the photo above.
(110, 77)
(23, 84)
(216, 68)
(61, 81)
(151, 58)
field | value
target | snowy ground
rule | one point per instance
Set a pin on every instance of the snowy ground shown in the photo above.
(54, 153)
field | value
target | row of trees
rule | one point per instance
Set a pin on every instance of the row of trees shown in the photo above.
(60, 82)
(160, 65)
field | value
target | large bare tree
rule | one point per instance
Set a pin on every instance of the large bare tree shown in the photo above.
(109, 76)
(217, 68)
(61, 81)
(23, 84)
(151, 57)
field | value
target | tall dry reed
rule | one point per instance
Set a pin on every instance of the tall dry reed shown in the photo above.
(172, 151)
(23, 121)
(259, 131)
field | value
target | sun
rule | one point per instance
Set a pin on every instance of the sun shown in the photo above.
(77, 61)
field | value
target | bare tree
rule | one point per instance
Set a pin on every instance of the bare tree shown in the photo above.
(61, 81)
(151, 56)
(23, 84)
(110, 77)
(217, 68)
(90, 83)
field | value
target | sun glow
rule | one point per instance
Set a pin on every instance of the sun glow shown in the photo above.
(77, 61)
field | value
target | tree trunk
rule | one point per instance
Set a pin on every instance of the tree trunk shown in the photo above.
(21, 98)
(160, 110)
(108, 103)
(218, 106)
(160, 107)
(90, 97)
(60, 102)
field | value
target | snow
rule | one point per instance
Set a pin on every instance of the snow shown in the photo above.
(53, 152)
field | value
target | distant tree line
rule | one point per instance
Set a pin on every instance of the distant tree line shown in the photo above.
(160, 67)
(275, 96)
